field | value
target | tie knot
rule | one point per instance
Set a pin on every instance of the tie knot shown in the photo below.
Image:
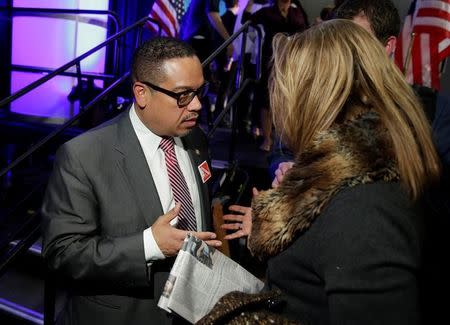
(166, 144)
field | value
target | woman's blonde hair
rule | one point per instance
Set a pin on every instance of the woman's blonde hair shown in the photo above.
(324, 72)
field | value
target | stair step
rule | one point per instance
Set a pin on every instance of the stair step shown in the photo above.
(18, 313)
(22, 289)
(22, 295)
(35, 249)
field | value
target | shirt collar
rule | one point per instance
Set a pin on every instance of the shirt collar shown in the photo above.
(144, 134)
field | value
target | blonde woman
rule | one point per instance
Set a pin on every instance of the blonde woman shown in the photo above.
(341, 233)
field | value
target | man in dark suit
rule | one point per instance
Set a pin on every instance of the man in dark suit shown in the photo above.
(112, 218)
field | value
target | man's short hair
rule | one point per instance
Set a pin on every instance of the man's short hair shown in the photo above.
(326, 13)
(382, 15)
(149, 58)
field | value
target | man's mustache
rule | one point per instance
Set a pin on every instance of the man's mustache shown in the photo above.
(190, 116)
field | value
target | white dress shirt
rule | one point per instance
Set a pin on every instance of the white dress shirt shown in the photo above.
(157, 165)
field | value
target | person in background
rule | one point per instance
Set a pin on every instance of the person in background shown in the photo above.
(381, 18)
(324, 15)
(123, 196)
(226, 66)
(201, 25)
(343, 232)
(247, 115)
(378, 17)
(281, 17)
(230, 15)
(203, 28)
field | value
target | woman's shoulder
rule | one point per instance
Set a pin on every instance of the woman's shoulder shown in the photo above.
(368, 203)
(374, 192)
(375, 223)
(366, 216)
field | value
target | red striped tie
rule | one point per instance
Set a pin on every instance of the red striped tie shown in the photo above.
(180, 190)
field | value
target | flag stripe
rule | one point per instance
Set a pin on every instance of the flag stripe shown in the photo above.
(436, 29)
(431, 25)
(160, 15)
(152, 26)
(444, 44)
(167, 13)
(164, 27)
(433, 12)
(416, 57)
(436, 4)
(444, 49)
(429, 20)
(434, 62)
(424, 64)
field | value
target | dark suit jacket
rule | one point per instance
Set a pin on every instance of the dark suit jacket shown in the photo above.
(100, 198)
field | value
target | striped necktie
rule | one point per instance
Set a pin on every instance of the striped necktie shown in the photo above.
(180, 190)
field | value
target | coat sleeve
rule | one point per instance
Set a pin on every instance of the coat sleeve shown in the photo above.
(72, 240)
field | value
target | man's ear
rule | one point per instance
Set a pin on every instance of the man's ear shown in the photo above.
(390, 46)
(141, 94)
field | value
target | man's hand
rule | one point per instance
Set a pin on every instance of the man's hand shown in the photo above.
(170, 239)
(283, 167)
(242, 221)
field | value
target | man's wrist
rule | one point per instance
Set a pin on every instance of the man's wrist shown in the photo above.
(151, 248)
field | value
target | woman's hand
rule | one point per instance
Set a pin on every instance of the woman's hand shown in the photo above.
(241, 222)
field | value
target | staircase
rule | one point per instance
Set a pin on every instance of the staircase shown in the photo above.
(22, 289)
(21, 191)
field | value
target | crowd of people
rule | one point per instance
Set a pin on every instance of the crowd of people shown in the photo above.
(353, 228)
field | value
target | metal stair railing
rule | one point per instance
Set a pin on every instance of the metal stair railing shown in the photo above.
(64, 13)
(75, 62)
(57, 72)
(242, 83)
(9, 253)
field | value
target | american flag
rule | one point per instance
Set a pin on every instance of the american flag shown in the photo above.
(428, 26)
(168, 14)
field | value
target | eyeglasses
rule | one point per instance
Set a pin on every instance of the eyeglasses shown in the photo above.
(183, 98)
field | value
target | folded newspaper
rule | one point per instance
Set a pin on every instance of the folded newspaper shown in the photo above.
(199, 277)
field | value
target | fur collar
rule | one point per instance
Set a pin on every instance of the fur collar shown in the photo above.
(352, 153)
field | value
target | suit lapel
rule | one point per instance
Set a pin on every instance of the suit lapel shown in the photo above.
(132, 163)
(197, 154)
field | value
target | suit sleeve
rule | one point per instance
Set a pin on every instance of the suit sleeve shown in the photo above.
(72, 240)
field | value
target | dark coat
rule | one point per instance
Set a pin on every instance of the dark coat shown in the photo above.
(343, 239)
(100, 198)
